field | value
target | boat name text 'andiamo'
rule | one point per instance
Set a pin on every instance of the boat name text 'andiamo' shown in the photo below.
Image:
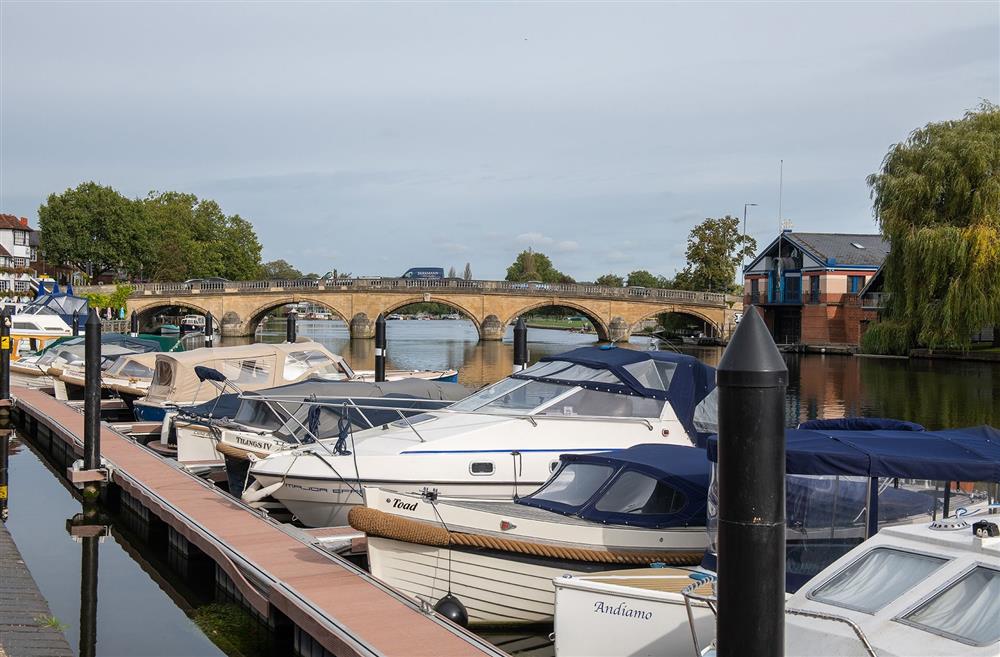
(621, 610)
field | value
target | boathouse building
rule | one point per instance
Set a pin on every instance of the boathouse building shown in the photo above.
(806, 286)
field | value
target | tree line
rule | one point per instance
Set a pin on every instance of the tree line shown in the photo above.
(715, 249)
(165, 236)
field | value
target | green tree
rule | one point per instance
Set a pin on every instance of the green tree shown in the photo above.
(715, 248)
(610, 280)
(95, 228)
(192, 238)
(641, 278)
(533, 266)
(281, 270)
(937, 201)
(467, 274)
(451, 273)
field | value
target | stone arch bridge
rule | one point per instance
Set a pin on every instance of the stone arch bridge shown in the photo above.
(239, 306)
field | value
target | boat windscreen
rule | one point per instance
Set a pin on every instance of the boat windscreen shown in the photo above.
(967, 610)
(877, 578)
(574, 484)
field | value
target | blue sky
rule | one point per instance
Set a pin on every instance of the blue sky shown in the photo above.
(375, 137)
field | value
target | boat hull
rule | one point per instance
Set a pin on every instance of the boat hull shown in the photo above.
(495, 589)
(601, 619)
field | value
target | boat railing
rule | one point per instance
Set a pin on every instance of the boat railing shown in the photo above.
(822, 615)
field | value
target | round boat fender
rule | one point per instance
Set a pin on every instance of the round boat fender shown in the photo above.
(452, 608)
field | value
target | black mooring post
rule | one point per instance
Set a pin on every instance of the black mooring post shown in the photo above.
(5, 347)
(290, 328)
(4, 448)
(133, 327)
(88, 596)
(380, 348)
(92, 393)
(751, 562)
(947, 500)
(76, 323)
(209, 329)
(520, 345)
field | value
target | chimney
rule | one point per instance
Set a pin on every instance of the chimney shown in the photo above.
(24, 221)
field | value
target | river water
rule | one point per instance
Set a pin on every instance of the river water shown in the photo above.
(146, 609)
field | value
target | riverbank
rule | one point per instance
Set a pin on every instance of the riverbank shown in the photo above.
(986, 355)
(27, 626)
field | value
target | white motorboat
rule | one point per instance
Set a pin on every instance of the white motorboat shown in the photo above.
(598, 512)
(266, 421)
(506, 439)
(583, 621)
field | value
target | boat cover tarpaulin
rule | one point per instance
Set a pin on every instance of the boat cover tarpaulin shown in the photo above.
(969, 454)
(685, 469)
(690, 382)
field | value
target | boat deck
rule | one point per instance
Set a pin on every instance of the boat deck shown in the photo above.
(664, 580)
(342, 607)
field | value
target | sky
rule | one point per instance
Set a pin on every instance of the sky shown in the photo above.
(370, 138)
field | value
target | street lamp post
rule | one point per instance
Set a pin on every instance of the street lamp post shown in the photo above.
(745, 206)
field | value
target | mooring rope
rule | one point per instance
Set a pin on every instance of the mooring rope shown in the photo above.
(385, 525)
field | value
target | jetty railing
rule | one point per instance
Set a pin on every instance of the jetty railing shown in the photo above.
(423, 285)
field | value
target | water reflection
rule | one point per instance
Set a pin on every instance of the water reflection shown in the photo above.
(934, 393)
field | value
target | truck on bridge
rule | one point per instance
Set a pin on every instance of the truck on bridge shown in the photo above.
(423, 272)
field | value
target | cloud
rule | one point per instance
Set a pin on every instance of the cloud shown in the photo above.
(454, 247)
(567, 246)
(617, 257)
(534, 239)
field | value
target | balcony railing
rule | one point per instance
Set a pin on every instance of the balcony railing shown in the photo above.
(874, 300)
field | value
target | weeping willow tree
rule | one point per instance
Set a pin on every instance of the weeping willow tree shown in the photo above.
(937, 201)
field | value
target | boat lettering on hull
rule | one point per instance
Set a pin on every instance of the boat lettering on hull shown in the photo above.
(621, 609)
(400, 504)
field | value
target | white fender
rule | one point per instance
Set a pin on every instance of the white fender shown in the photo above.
(254, 493)
(168, 421)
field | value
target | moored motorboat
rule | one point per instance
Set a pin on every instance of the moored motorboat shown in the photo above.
(506, 439)
(599, 512)
(266, 421)
(826, 519)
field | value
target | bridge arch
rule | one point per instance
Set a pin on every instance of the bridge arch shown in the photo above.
(444, 301)
(147, 313)
(690, 312)
(599, 325)
(254, 317)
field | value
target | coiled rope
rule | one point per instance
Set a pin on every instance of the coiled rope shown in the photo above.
(386, 525)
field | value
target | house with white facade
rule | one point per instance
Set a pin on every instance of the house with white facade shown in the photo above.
(16, 256)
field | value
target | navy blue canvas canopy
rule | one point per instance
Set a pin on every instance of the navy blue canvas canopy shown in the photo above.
(679, 468)
(690, 380)
(970, 454)
(223, 406)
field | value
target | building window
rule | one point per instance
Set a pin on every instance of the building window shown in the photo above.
(4, 284)
(855, 283)
(20, 286)
(34, 254)
(814, 289)
(21, 238)
(754, 290)
(20, 262)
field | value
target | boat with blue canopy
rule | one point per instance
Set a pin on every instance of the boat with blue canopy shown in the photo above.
(505, 440)
(598, 512)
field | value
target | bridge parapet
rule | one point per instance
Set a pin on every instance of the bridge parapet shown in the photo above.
(423, 285)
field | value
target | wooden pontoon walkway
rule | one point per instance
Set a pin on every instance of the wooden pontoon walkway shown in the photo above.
(339, 605)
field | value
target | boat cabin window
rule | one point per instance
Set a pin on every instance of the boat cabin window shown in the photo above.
(163, 378)
(25, 326)
(297, 363)
(248, 370)
(564, 371)
(877, 578)
(133, 370)
(706, 413)
(634, 492)
(481, 468)
(512, 396)
(968, 610)
(258, 414)
(574, 484)
(411, 420)
(605, 404)
(652, 374)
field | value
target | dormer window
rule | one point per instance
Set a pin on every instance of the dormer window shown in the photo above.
(21, 237)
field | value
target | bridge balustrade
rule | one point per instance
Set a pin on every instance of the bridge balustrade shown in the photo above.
(430, 285)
